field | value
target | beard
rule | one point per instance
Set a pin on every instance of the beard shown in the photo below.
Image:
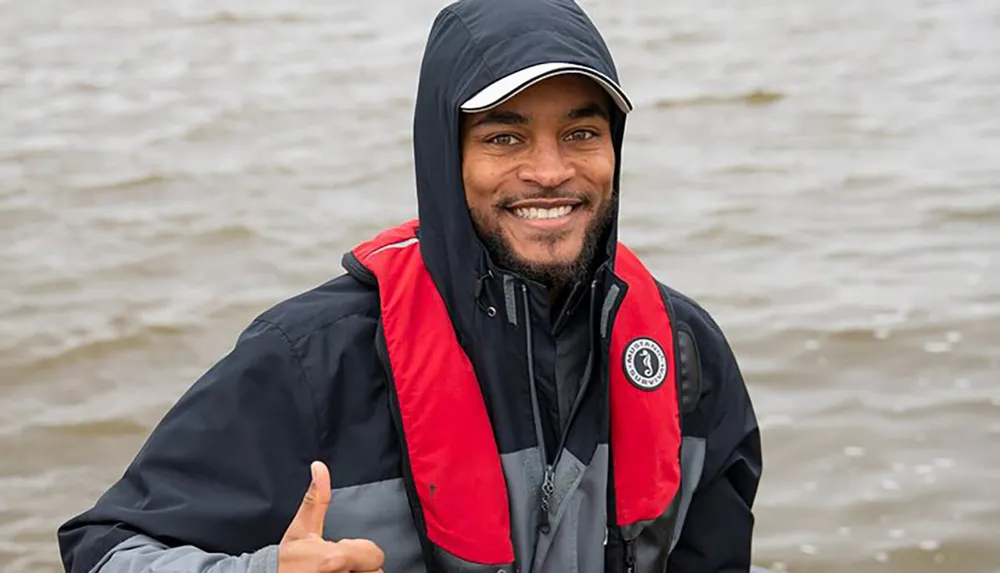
(553, 275)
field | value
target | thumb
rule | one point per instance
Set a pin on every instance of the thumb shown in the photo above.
(309, 519)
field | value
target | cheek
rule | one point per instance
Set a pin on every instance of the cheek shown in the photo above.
(604, 172)
(598, 167)
(482, 181)
(472, 180)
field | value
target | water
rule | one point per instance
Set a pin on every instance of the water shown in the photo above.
(822, 176)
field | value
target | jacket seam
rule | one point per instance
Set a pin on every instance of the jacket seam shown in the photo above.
(304, 376)
(295, 341)
(473, 40)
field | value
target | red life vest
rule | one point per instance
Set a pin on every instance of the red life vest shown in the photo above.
(453, 456)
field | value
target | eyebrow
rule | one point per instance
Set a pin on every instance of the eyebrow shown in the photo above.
(501, 118)
(586, 111)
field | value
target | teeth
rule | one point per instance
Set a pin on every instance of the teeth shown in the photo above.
(535, 213)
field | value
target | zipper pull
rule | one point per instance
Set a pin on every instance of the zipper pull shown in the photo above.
(630, 556)
(548, 486)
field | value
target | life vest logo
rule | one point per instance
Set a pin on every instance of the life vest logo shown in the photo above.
(645, 364)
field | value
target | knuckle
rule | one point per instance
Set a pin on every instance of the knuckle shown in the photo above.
(368, 552)
(334, 561)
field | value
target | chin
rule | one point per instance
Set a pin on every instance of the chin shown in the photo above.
(548, 259)
(545, 256)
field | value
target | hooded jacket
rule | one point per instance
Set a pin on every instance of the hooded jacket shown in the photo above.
(221, 476)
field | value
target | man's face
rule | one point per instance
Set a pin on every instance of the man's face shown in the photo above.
(538, 173)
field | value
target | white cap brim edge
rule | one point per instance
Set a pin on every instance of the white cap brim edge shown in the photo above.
(509, 86)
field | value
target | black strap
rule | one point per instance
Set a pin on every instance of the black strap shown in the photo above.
(689, 365)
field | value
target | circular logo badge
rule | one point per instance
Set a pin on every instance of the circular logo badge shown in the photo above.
(645, 364)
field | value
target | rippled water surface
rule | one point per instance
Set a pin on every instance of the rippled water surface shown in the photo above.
(824, 176)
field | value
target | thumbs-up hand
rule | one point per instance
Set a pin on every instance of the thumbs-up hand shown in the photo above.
(303, 549)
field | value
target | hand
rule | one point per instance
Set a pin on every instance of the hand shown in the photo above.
(303, 549)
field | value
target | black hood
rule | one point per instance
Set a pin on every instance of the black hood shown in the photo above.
(473, 43)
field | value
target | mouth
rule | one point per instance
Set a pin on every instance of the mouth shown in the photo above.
(539, 214)
(544, 209)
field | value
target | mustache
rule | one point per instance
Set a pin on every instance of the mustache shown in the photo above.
(507, 201)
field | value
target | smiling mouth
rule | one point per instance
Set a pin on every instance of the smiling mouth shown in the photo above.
(544, 209)
(536, 213)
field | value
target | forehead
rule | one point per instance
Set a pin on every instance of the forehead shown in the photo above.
(559, 94)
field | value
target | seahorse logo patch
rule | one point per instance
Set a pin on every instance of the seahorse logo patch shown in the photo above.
(645, 364)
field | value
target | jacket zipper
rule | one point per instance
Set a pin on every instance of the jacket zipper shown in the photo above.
(548, 480)
(629, 556)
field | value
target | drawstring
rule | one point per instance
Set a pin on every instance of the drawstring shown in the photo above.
(490, 310)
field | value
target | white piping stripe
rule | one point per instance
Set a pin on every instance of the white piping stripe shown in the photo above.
(399, 245)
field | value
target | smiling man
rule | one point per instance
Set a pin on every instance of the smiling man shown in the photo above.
(498, 386)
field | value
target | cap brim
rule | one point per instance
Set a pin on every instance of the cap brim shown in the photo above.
(509, 86)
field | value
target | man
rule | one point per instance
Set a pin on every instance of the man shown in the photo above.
(501, 387)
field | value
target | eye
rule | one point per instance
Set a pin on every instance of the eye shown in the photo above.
(582, 135)
(503, 139)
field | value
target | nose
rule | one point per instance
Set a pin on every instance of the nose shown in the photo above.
(546, 165)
